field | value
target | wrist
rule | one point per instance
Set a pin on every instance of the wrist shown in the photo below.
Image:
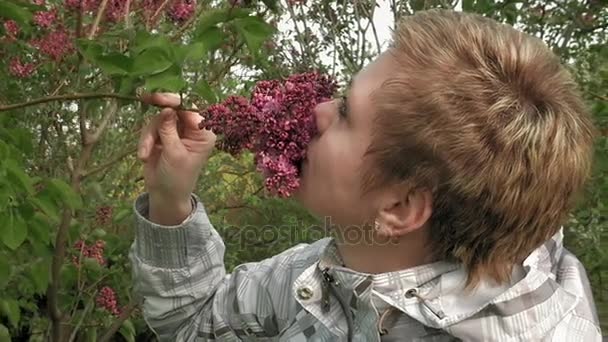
(169, 212)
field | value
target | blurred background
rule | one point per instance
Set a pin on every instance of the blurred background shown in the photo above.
(69, 125)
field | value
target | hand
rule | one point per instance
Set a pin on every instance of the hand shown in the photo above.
(174, 150)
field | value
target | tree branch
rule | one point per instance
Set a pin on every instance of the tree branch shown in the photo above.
(124, 315)
(598, 96)
(67, 97)
(53, 289)
(76, 96)
(104, 122)
(102, 9)
(109, 163)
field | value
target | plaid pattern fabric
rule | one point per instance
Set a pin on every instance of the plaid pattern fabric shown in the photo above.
(187, 296)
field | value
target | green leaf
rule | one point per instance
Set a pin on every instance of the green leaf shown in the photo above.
(195, 51)
(47, 206)
(152, 61)
(69, 275)
(127, 330)
(467, 5)
(91, 264)
(203, 89)
(211, 18)
(19, 14)
(272, 4)
(39, 273)
(122, 214)
(91, 334)
(89, 49)
(169, 80)
(5, 272)
(144, 40)
(5, 336)
(125, 86)
(63, 191)
(13, 230)
(254, 30)
(10, 309)
(98, 233)
(19, 176)
(114, 64)
(212, 39)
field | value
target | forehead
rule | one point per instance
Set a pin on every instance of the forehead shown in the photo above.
(366, 82)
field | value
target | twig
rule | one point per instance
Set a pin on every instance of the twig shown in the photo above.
(102, 9)
(76, 96)
(158, 10)
(124, 315)
(598, 96)
(67, 97)
(299, 35)
(104, 122)
(81, 320)
(228, 65)
(370, 16)
(108, 164)
(127, 10)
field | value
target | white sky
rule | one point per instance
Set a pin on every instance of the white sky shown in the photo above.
(383, 20)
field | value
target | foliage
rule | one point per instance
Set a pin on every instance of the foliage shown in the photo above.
(68, 175)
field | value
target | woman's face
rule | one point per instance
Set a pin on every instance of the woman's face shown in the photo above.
(332, 174)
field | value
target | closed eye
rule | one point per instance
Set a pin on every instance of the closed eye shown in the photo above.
(343, 109)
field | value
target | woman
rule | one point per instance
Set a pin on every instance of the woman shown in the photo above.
(454, 160)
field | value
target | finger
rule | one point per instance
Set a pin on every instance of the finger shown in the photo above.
(167, 130)
(148, 137)
(208, 136)
(189, 120)
(161, 99)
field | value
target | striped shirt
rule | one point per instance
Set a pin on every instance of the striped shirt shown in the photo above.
(304, 294)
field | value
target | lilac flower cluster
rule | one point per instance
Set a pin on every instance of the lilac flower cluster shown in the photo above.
(55, 44)
(276, 124)
(181, 10)
(19, 69)
(106, 299)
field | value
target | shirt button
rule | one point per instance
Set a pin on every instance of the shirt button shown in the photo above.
(411, 293)
(304, 293)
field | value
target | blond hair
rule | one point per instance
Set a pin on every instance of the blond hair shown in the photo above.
(488, 119)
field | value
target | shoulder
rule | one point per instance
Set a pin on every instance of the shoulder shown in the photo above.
(284, 267)
(575, 328)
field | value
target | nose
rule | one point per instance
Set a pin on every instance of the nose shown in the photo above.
(325, 113)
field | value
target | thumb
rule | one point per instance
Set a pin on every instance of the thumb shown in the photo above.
(167, 130)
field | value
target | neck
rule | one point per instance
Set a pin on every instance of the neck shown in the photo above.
(377, 256)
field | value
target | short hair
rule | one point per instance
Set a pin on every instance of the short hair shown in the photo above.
(488, 119)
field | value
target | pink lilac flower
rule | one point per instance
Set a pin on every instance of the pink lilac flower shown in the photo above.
(56, 44)
(103, 215)
(276, 124)
(45, 19)
(87, 5)
(229, 118)
(181, 10)
(115, 10)
(106, 299)
(11, 28)
(94, 251)
(20, 69)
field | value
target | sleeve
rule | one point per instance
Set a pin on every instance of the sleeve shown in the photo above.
(179, 274)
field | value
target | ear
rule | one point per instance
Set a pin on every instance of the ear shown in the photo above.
(399, 215)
